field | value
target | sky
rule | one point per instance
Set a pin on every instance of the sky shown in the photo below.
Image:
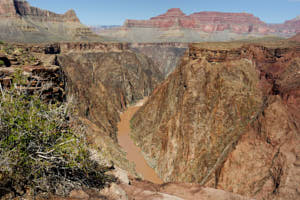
(114, 12)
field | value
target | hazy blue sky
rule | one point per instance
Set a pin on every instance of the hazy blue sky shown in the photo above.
(114, 12)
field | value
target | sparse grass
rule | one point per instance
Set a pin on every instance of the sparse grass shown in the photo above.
(39, 150)
(8, 49)
(32, 59)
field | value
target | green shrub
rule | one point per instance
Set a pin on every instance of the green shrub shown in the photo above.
(1, 63)
(1, 42)
(8, 49)
(38, 148)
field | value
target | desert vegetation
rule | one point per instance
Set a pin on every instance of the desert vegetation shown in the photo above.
(41, 150)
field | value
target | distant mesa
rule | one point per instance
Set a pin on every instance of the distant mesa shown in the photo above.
(214, 21)
(176, 26)
(205, 21)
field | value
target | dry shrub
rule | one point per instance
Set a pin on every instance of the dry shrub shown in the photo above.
(38, 148)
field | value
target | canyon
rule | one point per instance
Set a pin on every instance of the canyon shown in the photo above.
(226, 118)
(170, 118)
(57, 72)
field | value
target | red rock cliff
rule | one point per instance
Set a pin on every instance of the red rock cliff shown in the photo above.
(213, 21)
(20, 22)
(7, 8)
(18, 8)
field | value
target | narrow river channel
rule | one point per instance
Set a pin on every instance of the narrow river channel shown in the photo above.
(133, 152)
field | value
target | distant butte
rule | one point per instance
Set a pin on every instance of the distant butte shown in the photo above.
(210, 22)
(20, 22)
(17, 9)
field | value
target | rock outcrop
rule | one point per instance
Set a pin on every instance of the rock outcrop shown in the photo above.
(227, 117)
(295, 38)
(175, 26)
(164, 55)
(21, 22)
(292, 25)
(20, 8)
(44, 77)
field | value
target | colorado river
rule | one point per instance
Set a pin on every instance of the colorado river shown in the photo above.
(133, 152)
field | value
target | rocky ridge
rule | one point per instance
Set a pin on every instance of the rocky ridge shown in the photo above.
(174, 26)
(21, 22)
(17, 8)
(228, 118)
(204, 21)
(164, 55)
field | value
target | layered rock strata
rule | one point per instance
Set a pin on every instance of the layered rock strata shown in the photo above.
(175, 26)
(204, 21)
(21, 22)
(227, 117)
(214, 22)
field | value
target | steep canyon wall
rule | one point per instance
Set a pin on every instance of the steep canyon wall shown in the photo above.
(227, 117)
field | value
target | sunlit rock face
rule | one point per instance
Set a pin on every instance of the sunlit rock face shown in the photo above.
(21, 22)
(227, 117)
(204, 21)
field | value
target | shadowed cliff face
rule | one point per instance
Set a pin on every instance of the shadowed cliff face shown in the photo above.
(227, 117)
(105, 83)
(165, 55)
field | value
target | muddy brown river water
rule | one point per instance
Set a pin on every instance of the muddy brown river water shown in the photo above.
(133, 152)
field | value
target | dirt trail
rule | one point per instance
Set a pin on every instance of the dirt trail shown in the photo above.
(133, 152)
